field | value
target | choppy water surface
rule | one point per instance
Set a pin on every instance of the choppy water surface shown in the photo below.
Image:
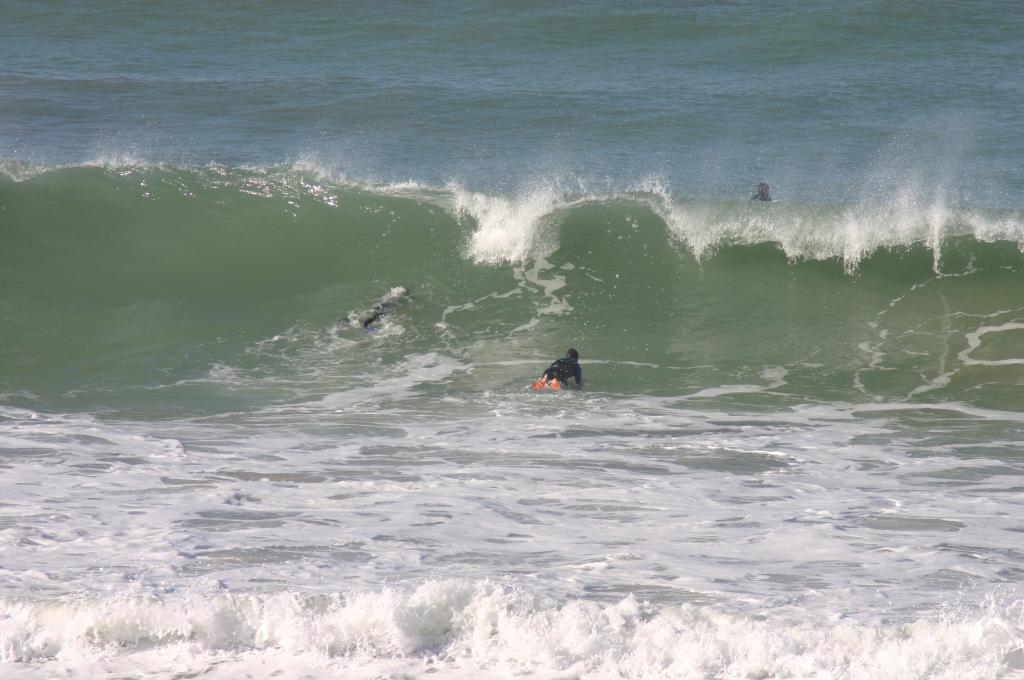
(796, 454)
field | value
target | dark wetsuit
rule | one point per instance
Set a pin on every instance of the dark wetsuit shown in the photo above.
(377, 312)
(563, 369)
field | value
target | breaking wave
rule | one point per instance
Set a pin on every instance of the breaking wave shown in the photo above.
(456, 628)
(512, 228)
(131, 275)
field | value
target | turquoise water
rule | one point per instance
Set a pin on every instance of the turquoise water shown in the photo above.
(796, 452)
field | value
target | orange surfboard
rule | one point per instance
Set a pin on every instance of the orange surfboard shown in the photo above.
(540, 384)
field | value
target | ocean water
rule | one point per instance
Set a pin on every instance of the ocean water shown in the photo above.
(797, 450)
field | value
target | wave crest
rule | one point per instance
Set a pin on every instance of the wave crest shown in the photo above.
(457, 625)
(516, 227)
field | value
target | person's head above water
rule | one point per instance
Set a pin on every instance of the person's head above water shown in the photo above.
(573, 354)
(763, 192)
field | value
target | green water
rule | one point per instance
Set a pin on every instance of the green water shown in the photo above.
(119, 282)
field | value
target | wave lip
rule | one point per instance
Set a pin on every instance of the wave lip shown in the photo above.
(507, 229)
(849, 233)
(514, 227)
(458, 625)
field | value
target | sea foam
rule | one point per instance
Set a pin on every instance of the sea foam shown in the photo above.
(456, 627)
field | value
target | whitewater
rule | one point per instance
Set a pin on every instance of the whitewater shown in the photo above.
(243, 479)
(275, 281)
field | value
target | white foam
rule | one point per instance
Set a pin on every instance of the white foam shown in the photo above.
(974, 342)
(269, 539)
(775, 375)
(850, 233)
(416, 370)
(507, 229)
(61, 434)
(459, 628)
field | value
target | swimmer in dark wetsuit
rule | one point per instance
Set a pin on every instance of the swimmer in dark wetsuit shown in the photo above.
(763, 192)
(379, 310)
(560, 370)
(385, 305)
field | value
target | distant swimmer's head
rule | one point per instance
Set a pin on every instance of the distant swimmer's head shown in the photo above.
(763, 192)
(573, 354)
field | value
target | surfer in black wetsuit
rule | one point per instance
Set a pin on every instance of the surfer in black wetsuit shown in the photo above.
(385, 305)
(763, 192)
(560, 370)
(379, 310)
